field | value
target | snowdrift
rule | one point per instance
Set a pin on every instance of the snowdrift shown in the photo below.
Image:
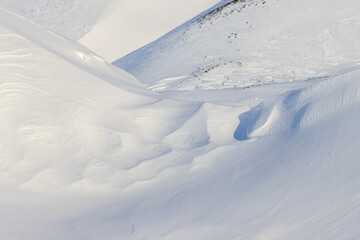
(87, 153)
(63, 109)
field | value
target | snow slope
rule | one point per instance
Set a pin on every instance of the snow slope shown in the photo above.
(126, 25)
(77, 131)
(87, 153)
(56, 93)
(70, 18)
(252, 42)
(137, 22)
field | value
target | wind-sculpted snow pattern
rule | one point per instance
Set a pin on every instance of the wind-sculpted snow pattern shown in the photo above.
(67, 106)
(251, 43)
(87, 153)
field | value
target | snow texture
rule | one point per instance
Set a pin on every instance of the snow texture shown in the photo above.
(86, 152)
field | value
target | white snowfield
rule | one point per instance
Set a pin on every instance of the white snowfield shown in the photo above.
(252, 42)
(86, 152)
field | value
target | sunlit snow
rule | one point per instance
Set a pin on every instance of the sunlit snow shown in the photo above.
(262, 150)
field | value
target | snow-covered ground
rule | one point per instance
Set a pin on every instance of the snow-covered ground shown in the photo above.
(253, 42)
(86, 152)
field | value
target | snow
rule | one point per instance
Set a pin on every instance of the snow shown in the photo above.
(70, 18)
(86, 152)
(250, 43)
(127, 25)
(92, 22)
(49, 118)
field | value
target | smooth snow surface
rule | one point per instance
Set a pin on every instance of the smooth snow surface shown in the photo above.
(70, 18)
(111, 28)
(86, 152)
(252, 42)
(126, 25)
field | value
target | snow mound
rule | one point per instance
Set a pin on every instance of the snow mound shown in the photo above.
(250, 43)
(292, 174)
(66, 112)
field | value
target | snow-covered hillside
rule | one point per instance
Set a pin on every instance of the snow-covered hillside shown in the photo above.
(86, 152)
(70, 18)
(63, 105)
(78, 134)
(127, 25)
(246, 43)
(111, 28)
